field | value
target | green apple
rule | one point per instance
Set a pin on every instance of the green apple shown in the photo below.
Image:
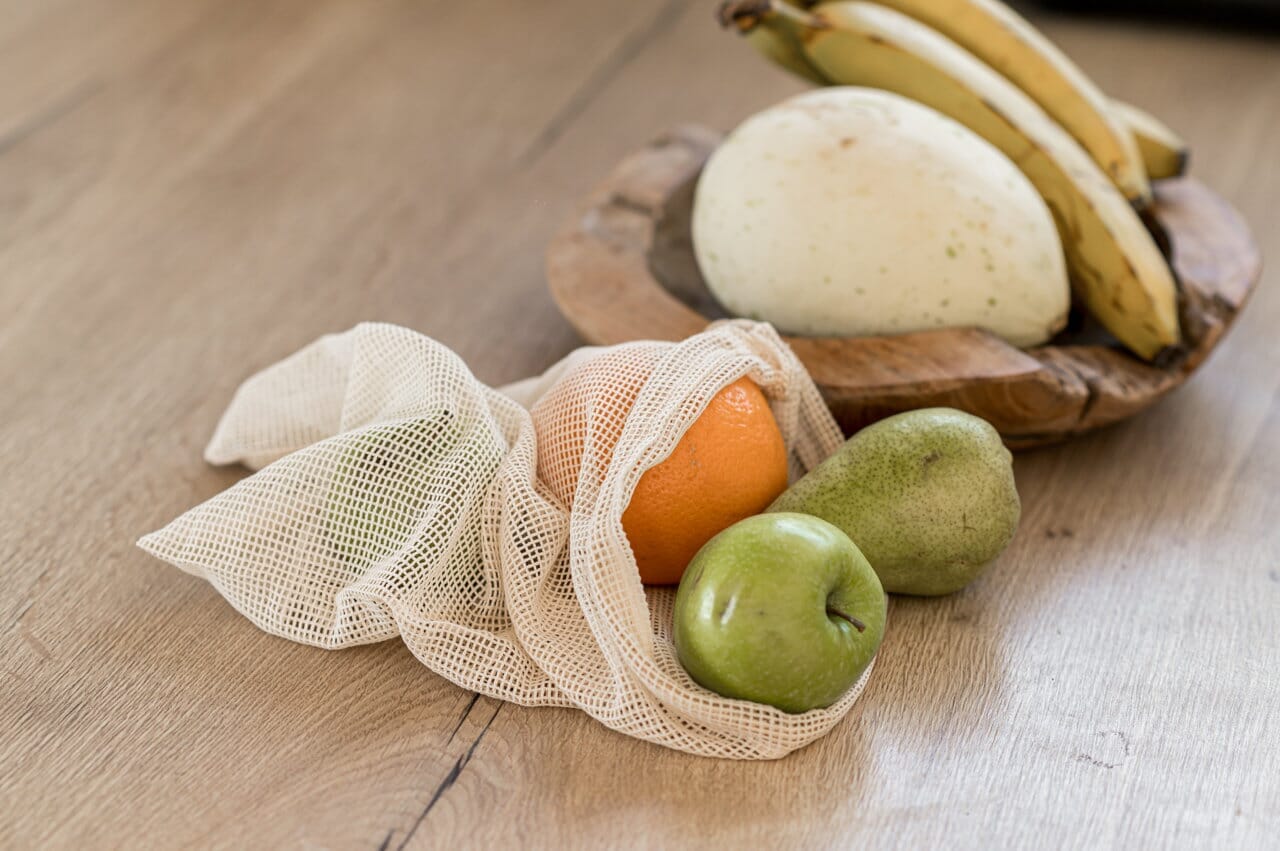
(382, 484)
(780, 609)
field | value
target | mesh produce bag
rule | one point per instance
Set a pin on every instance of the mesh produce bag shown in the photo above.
(398, 495)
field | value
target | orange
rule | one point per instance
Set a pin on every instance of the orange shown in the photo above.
(579, 421)
(729, 465)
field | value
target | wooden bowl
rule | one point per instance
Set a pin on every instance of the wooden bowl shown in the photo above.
(623, 269)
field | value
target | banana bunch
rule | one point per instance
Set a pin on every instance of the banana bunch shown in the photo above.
(980, 63)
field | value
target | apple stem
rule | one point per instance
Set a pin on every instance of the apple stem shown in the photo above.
(857, 624)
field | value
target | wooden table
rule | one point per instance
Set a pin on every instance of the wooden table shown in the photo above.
(190, 191)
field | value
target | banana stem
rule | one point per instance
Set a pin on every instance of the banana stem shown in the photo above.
(746, 15)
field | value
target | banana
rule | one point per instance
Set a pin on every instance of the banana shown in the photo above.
(1163, 152)
(1116, 266)
(779, 43)
(1003, 39)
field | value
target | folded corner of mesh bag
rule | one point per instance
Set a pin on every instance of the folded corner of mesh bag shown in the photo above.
(397, 495)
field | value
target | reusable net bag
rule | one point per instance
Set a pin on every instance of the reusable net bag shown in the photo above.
(398, 495)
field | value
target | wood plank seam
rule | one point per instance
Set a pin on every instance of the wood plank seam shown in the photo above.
(451, 778)
(622, 56)
(60, 108)
(463, 717)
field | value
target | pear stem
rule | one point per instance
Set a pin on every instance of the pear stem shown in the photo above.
(857, 624)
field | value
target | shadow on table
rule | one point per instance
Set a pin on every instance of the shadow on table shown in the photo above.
(939, 678)
(1254, 17)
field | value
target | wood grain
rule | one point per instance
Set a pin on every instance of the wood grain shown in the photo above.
(623, 268)
(191, 191)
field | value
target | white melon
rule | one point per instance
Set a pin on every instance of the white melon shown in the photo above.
(848, 211)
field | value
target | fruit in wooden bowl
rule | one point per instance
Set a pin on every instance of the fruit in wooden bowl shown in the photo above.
(1011, 87)
(622, 268)
(1159, 270)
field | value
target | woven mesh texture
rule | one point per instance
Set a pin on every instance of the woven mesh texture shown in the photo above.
(397, 495)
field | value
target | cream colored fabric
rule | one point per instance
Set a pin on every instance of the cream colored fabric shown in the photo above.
(397, 495)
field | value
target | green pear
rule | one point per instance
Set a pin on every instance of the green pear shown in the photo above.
(928, 496)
